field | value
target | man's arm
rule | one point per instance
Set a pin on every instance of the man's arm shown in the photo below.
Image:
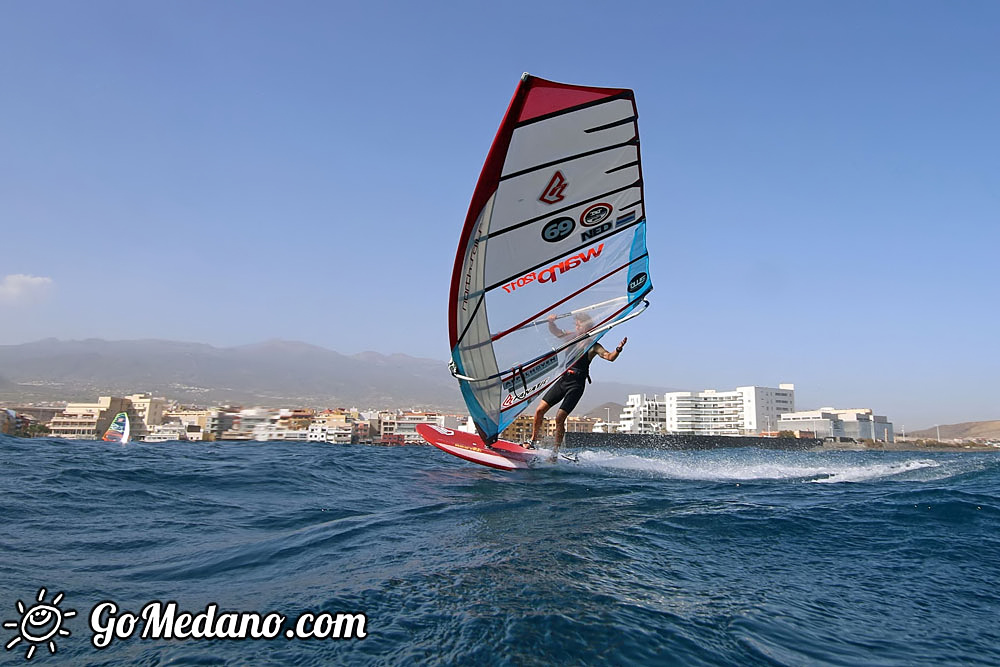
(556, 331)
(610, 356)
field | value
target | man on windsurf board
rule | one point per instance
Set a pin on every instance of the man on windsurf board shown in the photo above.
(570, 387)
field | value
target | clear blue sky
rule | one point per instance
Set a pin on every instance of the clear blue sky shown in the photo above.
(822, 180)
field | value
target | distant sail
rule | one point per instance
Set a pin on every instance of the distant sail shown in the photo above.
(119, 429)
(556, 227)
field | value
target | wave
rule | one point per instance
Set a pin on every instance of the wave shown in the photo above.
(877, 471)
(757, 465)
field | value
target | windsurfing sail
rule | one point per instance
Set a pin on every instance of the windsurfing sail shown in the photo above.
(118, 431)
(553, 251)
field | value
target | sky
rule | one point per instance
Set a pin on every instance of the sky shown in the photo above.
(822, 180)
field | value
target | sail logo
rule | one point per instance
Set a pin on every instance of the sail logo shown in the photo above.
(519, 378)
(595, 214)
(636, 283)
(553, 192)
(551, 274)
(512, 399)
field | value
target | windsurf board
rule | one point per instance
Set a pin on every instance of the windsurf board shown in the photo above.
(502, 455)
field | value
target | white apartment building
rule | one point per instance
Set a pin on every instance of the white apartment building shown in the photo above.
(643, 414)
(247, 420)
(167, 433)
(322, 430)
(270, 432)
(404, 425)
(747, 410)
(857, 423)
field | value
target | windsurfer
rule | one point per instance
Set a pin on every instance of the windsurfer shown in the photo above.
(569, 388)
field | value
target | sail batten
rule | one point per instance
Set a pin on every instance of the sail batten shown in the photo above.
(579, 156)
(555, 234)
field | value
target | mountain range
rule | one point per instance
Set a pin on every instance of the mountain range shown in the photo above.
(272, 373)
(965, 431)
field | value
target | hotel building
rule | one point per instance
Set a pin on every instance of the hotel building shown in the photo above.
(858, 424)
(144, 413)
(402, 428)
(748, 410)
(88, 421)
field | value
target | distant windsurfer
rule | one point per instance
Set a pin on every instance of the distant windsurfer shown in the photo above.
(569, 388)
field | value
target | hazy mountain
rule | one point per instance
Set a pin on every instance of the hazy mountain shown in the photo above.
(963, 431)
(604, 411)
(270, 373)
(275, 372)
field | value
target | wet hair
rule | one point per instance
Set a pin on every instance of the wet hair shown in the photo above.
(584, 319)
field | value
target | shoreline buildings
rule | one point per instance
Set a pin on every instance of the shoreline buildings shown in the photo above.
(744, 411)
(750, 410)
(155, 420)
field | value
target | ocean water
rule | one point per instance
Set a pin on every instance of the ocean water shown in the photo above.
(631, 556)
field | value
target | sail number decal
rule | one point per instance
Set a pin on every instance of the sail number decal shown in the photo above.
(558, 229)
(553, 192)
(551, 274)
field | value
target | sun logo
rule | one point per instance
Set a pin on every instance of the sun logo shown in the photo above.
(39, 624)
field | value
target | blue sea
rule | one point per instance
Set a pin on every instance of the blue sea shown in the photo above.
(631, 556)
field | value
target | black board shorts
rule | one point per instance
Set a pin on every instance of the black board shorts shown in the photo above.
(569, 390)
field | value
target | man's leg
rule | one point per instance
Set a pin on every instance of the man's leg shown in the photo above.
(560, 430)
(543, 407)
